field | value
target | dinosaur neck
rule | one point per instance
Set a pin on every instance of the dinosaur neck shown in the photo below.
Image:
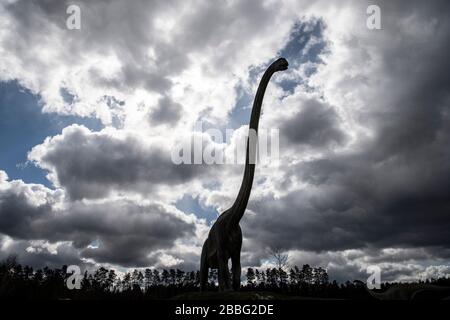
(240, 204)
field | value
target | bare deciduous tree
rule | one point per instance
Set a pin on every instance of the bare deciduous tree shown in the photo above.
(281, 257)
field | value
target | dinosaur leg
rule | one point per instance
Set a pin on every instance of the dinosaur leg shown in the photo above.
(224, 281)
(204, 268)
(236, 269)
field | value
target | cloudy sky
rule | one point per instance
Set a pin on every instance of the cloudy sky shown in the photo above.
(88, 119)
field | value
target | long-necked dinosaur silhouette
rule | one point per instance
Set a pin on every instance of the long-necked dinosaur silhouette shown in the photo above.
(225, 237)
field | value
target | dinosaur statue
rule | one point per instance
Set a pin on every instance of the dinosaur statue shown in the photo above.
(225, 237)
(410, 291)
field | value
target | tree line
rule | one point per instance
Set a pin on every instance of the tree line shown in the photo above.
(19, 281)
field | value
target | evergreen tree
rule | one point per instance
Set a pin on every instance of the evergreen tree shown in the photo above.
(137, 278)
(263, 282)
(111, 280)
(165, 276)
(283, 277)
(293, 277)
(179, 277)
(148, 278)
(100, 279)
(156, 278)
(306, 275)
(250, 277)
(126, 282)
(257, 277)
(172, 276)
(320, 276)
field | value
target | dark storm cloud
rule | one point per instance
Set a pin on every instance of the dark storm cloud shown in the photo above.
(315, 125)
(17, 212)
(393, 190)
(90, 165)
(414, 110)
(127, 232)
(167, 112)
(350, 204)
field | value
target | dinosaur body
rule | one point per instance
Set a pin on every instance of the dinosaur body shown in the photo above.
(413, 291)
(410, 291)
(224, 241)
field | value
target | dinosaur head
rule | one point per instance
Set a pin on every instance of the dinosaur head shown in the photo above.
(280, 65)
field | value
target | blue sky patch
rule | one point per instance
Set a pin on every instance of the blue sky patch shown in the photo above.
(189, 204)
(302, 33)
(23, 126)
